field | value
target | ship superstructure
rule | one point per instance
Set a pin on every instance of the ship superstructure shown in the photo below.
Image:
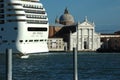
(23, 26)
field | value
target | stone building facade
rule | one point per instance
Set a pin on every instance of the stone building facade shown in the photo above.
(87, 40)
(55, 44)
(110, 43)
(85, 37)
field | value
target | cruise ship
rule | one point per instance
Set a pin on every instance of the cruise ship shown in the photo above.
(24, 26)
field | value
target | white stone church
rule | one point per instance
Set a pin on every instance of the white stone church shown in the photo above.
(85, 38)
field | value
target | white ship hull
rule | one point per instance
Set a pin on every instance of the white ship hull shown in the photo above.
(25, 27)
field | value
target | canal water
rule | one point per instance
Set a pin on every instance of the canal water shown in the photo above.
(59, 66)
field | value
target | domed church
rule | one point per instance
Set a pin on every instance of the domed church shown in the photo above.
(81, 34)
(65, 19)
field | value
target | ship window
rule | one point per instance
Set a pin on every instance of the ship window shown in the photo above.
(36, 29)
(30, 40)
(15, 28)
(41, 40)
(32, 6)
(15, 15)
(36, 16)
(34, 1)
(36, 22)
(13, 4)
(16, 20)
(15, 9)
(26, 40)
(35, 11)
(21, 40)
(35, 40)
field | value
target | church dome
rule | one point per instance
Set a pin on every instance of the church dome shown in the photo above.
(66, 18)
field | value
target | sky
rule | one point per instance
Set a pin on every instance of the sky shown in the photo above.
(104, 13)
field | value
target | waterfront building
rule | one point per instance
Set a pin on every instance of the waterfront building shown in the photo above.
(82, 34)
(88, 39)
(53, 29)
(55, 44)
(117, 32)
(110, 42)
(85, 37)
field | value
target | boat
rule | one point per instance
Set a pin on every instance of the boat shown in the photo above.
(24, 56)
(24, 26)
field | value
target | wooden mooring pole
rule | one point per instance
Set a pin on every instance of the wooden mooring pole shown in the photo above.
(9, 64)
(75, 71)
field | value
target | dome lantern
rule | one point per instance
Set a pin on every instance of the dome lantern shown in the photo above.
(66, 11)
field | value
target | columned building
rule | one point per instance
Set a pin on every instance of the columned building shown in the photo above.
(85, 38)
